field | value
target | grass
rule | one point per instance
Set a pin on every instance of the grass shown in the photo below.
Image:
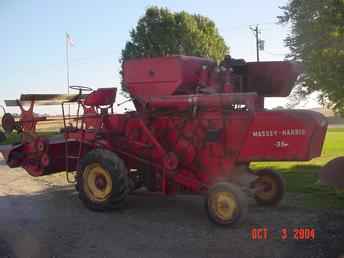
(301, 177)
(44, 128)
(15, 138)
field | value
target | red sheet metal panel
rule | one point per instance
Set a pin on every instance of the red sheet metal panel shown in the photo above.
(271, 79)
(162, 76)
(284, 135)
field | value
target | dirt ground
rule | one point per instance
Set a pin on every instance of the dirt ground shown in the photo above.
(42, 217)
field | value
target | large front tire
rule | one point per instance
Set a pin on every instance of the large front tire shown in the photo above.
(226, 204)
(102, 180)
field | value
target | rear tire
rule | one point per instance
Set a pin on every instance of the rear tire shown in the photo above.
(226, 204)
(275, 187)
(102, 180)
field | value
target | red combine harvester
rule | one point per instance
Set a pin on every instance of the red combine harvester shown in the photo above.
(196, 128)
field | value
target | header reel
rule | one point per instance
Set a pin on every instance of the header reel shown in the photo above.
(25, 125)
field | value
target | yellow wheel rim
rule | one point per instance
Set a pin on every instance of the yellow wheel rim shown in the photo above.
(224, 205)
(270, 187)
(97, 182)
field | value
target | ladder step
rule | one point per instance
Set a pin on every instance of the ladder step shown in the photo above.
(73, 157)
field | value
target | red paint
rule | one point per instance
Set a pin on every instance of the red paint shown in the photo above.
(186, 127)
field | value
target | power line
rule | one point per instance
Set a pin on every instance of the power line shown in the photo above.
(275, 54)
(249, 25)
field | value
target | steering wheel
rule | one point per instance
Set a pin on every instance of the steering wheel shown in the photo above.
(80, 88)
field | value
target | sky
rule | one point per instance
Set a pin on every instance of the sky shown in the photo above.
(33, 53)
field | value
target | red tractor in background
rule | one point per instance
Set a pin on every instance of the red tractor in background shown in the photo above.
(196, 128)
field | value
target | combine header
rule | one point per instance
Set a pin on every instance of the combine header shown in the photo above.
(196, 128)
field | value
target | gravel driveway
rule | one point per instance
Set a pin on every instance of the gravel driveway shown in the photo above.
(42, 217)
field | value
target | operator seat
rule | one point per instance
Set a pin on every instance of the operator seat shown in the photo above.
(101, 99)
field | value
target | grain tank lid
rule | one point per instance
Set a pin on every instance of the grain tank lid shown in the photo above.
(272, 79)
(162, 76)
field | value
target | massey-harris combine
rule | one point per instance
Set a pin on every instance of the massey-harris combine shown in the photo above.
(196, 128)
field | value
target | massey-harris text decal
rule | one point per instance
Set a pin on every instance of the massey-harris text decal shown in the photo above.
(284, 132)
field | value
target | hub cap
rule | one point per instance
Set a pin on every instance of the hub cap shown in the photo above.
(269, 187)
(97, 182)
(224, 205)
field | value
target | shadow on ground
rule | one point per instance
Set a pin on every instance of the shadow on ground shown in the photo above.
(54, 223)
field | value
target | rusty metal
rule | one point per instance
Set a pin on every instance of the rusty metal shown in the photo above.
(44, 99)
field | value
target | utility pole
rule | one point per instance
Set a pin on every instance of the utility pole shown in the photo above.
(256, 32)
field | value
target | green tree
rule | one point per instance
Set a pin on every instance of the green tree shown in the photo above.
(161, 32)
(317, 40)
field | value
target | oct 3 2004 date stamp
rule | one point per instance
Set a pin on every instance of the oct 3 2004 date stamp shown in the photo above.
(300, 233)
